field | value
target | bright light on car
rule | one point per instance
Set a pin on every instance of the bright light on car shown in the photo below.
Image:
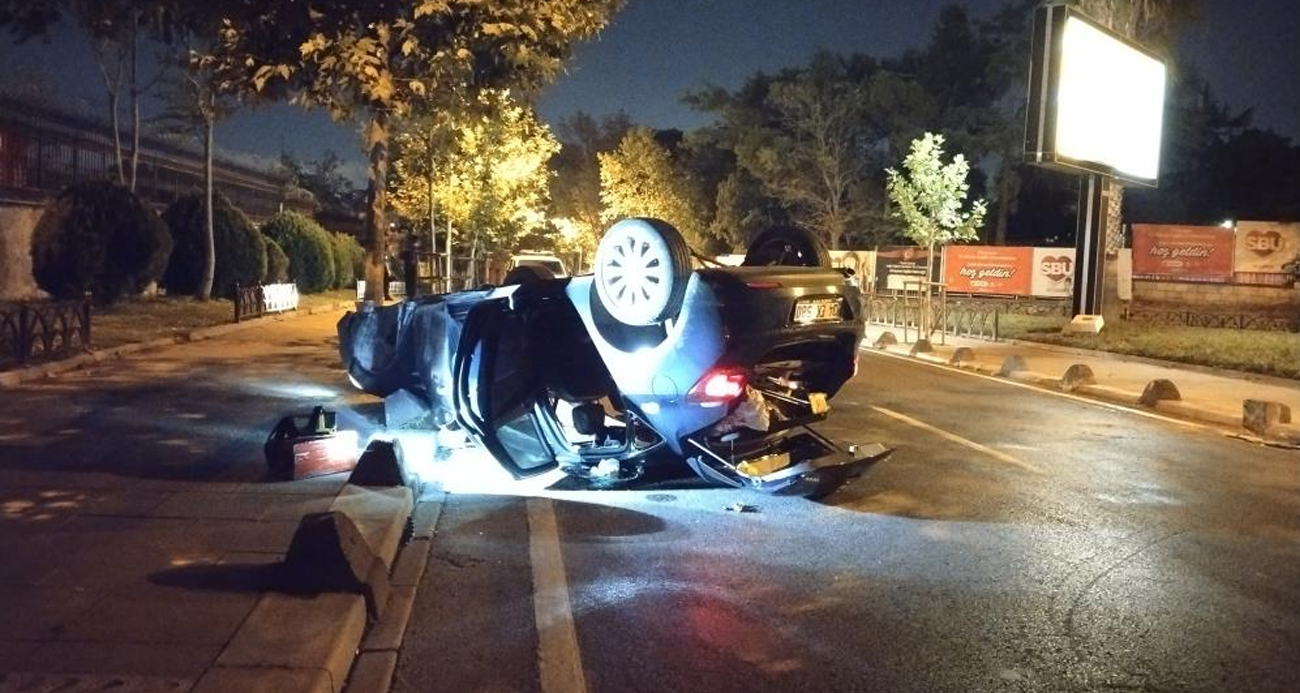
(719, 385)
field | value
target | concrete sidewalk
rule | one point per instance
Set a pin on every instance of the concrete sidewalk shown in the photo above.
(140, 539)
(1205, 395)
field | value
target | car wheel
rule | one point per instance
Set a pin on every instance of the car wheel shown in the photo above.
(642, 267)
(786, 245)
(526, 274)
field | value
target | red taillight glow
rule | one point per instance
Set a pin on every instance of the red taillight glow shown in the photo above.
(719, 385)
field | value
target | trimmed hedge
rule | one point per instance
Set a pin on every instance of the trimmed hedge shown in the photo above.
(349, 259)
(277, 263)
(309, 248)
(100, 238)
(241, 254)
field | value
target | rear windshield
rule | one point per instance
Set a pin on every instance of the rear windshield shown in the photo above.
(555, 266)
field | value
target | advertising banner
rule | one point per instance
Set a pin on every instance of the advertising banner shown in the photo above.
(862, 262)
(896, 264)
(987, 269)
(1053, 272)
(1264, 246)
(1182, 253)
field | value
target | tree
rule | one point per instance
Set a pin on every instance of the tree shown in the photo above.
(490, 177)
(928, 196)
(115, 29)
(195, 102)
(639, 179)
(380, 60)
(807, 135)
(575, 187)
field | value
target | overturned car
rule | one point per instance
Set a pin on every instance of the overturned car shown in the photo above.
(647, 361)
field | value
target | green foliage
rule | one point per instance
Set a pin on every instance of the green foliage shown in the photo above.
(277, 263)
(100, 238)
(489, 169)
(575, 185)
(240, 253)
(309, 248)
(349, 259)
(929, 194)
(639, 179)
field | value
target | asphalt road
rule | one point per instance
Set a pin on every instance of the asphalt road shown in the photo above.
(1015, 541)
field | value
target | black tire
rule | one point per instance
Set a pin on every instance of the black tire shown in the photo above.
(786, 246)
(527, 274)
(653, 292)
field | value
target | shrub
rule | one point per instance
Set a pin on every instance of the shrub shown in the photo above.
(277, 263)
(100, 238)
(241, 254)
(348, 256)
(308, 246)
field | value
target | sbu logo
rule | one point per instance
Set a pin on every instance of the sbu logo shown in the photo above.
(1264, 244)
(1056, 268)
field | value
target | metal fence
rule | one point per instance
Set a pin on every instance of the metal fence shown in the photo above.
(1281, 321)
(256, 300)
(959, 317)
(33, 331)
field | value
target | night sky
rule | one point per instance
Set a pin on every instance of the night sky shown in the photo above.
(656, 49)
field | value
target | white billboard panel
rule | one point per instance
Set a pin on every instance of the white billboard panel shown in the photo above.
(1053, 275)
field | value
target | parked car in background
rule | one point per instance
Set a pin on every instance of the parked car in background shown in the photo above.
(545, 262)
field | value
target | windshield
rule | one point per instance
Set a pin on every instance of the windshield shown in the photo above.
(554, 265)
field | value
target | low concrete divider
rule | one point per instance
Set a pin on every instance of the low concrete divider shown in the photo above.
(1159, 390)
(1012, 364)
(1076, 375)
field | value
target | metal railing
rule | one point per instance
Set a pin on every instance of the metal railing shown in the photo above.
(256, 300)
(31, 331)
(1281, 321)
(979, 318)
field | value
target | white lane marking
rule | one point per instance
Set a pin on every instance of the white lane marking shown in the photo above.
(559, 662)
(1054, 393)
(953, 437)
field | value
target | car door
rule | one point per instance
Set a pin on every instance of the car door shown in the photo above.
(500, 394)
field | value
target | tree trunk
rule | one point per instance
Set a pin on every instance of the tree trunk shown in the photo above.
(433, 220)
(209, 231)
(377, 152)
(450, 265)
(135, 98)
(115, 122)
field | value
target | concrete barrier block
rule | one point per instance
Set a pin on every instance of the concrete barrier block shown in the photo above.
(1076, 375)
(962, 355)
(1013, 363)
(922, 346)
(329, 554)
(1258, 415)
(886, 339)
(1158, 390)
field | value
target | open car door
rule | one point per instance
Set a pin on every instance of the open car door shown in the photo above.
(499, 391)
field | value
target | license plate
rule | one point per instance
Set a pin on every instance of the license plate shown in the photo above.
(810, 310)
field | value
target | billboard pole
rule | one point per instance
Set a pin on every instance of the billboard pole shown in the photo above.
(1095, 190)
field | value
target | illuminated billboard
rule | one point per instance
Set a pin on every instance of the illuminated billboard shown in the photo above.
(1096, 101)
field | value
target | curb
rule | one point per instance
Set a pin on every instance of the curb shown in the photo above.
(17, 376)
(1173, 408)
(292, 643)
(376, 662)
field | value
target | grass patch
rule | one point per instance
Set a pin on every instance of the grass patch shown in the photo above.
(1255, 351)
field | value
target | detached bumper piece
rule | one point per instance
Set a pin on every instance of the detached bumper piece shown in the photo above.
(801, 463)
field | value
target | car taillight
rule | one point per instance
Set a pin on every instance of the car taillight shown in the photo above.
(719, 385)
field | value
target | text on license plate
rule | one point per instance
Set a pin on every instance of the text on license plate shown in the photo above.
(817, 310)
